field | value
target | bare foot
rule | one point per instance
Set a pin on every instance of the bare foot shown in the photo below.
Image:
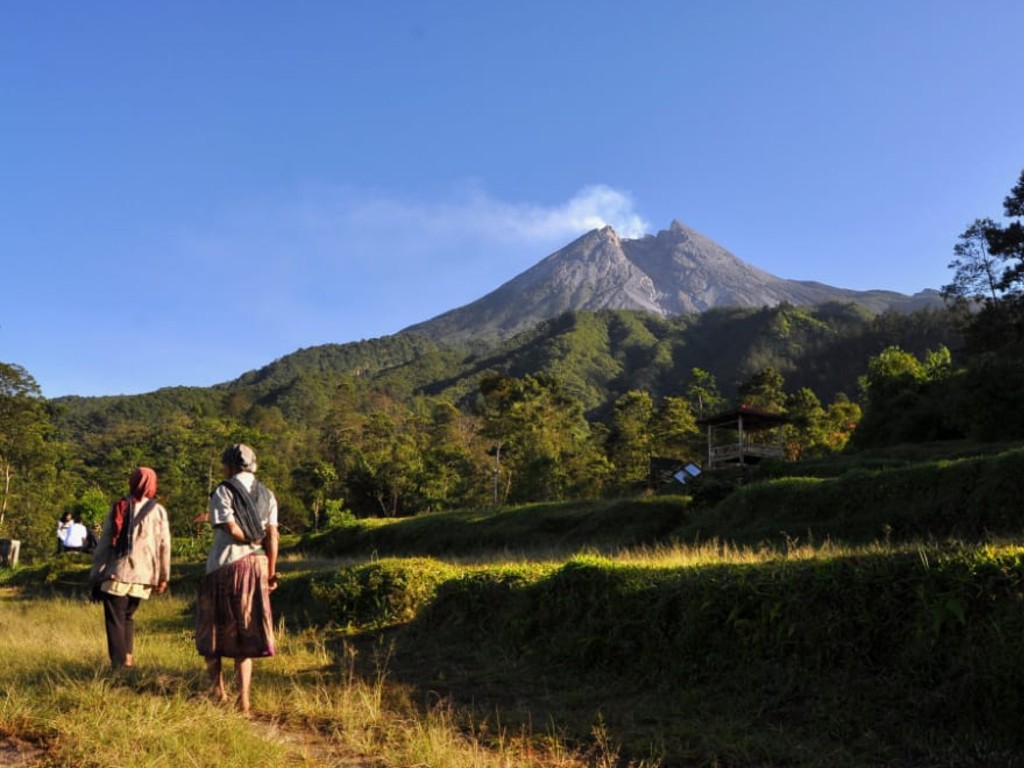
(217, 691)
(218, 694)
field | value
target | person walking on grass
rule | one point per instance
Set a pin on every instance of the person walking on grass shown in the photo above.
(132, 561)
(233, 616)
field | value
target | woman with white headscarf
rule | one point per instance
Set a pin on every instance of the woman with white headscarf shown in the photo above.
(233, 616)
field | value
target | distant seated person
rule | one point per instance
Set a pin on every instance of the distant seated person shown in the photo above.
(66, 521)
(76, 537)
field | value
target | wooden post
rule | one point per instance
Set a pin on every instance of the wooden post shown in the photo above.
(740, 445)
(9, 549)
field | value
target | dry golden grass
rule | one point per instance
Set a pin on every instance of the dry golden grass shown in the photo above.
(61, 705)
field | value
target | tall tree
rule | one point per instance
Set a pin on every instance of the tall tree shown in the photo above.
(316, 482)
(804, 432)
(989, 274)
(841, 421)
(455, 466)
(389, 462)
(1007, 242)
(907, 399)
(542, 438)
(764, 391)
(976, 272)
(630, 439)
(702, 393)
(674, 431)
(29, 458)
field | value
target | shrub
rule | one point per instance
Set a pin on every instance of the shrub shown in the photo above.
(381, 593)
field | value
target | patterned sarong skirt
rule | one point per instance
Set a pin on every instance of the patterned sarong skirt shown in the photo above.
(233, 617)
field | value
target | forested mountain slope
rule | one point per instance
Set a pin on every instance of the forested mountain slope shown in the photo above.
(402, 424)
(598, 355)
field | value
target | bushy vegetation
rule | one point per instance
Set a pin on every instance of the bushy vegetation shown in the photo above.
(965, 499)
(523, 531)
(925, 643)
(967, 492)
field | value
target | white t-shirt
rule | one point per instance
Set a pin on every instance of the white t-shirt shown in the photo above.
(76, 536)
(226, 549)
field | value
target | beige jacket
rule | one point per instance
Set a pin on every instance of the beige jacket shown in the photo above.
(150, 560)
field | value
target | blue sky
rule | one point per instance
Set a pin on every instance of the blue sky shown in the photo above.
(191, 190)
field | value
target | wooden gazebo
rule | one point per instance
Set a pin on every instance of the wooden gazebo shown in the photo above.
(743, 436)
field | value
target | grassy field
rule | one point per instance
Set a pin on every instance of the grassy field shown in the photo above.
(864, 612)
(816, 656)
(60, 705)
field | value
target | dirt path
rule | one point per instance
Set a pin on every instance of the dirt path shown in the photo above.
(15, 753)
(309, 746)
(305, 746)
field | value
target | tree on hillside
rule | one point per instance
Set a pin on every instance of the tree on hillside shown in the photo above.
(629, 439)
(21, 423)
(389, 462)
(841, 420)
(1007, 242)
(542, 443)
(454, 468)
(976, 276)
(814, 430)
(764, 391)
(30, 458)
(805, 430)
(702, 393)
(989, 261)
(907, 400)
(988, 290)
(674, 432)
(989, 275)
(499, 395)
(316, 482)
(989, 398)
(342, 426)
(92, 505)
(186, 452)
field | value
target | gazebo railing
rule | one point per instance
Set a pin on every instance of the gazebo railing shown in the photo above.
(723, 454)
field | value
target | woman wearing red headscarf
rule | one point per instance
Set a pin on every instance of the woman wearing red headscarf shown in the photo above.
(132, 560)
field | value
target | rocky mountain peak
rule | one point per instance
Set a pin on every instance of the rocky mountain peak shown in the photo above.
(678, 271)
(607, 234)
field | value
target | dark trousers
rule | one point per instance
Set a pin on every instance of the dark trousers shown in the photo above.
(118, 614)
